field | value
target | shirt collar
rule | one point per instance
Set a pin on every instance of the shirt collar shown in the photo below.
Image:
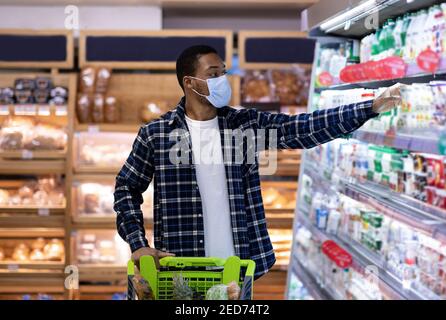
(178, 114)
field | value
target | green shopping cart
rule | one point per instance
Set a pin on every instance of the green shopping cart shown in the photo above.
(201, 273)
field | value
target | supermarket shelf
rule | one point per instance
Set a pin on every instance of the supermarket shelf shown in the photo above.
(32, 167)
(11, 289)
(309, 282)
(363, 258)
(108, 127)
(33, 209)
(13, 266)
(102, 272)
(96, 170)
(32, 109)
(32, 220)
(279, 220)
(33, 154)
(32, 233)
(98, 222)
(417, 214)
(408, 210)
(415, 78)
(400, 141)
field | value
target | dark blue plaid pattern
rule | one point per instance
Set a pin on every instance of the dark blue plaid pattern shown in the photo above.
(178, 221)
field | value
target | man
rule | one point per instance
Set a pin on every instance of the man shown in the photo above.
(213, 207)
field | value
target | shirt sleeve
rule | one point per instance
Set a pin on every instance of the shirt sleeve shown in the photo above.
(132, 180)
(308, 130)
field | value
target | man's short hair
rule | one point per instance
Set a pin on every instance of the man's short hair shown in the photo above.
(187, 61)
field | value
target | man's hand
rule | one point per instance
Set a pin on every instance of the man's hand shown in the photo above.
(156, 254)
(389, 99)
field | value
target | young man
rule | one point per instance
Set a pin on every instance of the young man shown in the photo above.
(207, 206)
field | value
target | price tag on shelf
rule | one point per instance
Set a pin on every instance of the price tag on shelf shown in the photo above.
(13, 267)
(27, 154)
(25, 109)
(44, 110)
(93, 129)
(44, 212)
(61, 111)
(4, 110)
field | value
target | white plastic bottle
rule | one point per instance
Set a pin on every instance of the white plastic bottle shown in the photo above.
(419, 34)
(409, 37)
(397, 36)
(432, 26)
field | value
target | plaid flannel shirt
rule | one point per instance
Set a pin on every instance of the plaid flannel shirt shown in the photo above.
(178, 220)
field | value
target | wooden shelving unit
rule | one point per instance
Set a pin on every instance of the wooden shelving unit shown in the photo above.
(25, 223)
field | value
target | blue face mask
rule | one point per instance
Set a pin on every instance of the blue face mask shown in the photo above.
(219, 91)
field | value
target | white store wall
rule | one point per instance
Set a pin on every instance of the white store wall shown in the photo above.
(90, 17)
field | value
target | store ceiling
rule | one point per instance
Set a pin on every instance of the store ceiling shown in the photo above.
(277, 4)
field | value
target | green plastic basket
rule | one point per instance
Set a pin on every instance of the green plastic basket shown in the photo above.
(191, 268)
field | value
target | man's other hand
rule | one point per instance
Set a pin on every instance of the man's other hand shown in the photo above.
(156, 254)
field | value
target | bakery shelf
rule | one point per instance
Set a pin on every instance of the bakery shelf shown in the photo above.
(108, 127)
(100, 292)
(32, 220)
(33, 154)
(13, 266)
(100, 222)
(280, 220)
(43, 110)
(102, 272)
(32, 233)
(96, 169)
(42, 211)
(32, 167)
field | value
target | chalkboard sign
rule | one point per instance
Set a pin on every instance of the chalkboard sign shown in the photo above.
(274, 49)
(147, 50)
(36, 49)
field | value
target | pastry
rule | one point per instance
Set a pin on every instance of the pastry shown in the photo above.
(87, 80)
(39, 243)
(37, 255)
(269, 196)
(4, 197)
(54, 250)
(83, 108)
(97, 112)
(111, 112)
(102, 79)
(21, 253)
(153, 110)
(2, 254)
(91, 203)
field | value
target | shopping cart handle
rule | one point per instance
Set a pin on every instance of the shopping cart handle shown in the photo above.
(184, 262)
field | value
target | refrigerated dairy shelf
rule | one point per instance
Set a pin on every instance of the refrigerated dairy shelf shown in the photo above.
(375, 84)
(410, 211)
(417, 214)
(363, 258)
(412, 143)
(310, 283)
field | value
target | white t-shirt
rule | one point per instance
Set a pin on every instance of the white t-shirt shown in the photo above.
(211, 179)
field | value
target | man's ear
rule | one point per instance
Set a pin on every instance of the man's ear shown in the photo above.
(187, 82)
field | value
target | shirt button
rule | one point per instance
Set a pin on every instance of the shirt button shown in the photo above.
(201, 241)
